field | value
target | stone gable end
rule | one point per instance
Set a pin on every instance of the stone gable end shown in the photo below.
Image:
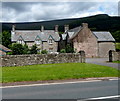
(87, 42)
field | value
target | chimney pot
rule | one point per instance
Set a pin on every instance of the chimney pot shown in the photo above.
(85, 25)
(66, 27)
(42, 28)
(56, 28)
(13, 28)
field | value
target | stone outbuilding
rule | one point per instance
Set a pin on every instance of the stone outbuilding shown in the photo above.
(4, 50)
(93, 43)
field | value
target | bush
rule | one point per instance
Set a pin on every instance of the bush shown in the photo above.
(33, 49)
(26, 49)
(44, 52)
(17, 49)
(62, 51)
(69, 49)
(9, 53)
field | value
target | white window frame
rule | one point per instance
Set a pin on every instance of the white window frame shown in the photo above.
(50, 41)
(37, 42)
(20, 41)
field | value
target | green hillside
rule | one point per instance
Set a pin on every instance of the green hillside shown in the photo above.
(101, 22)
(96, 22)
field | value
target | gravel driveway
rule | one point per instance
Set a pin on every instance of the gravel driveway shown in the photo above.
(102, 61)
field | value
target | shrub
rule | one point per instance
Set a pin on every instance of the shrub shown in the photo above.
(9, 53)
(69, 49)
(33, 49)
(62, 51)
(17, 49)
(44, 52)
(26, 49)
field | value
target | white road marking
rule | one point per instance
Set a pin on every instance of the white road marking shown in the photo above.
(100, 98)
(49, 84)
(29, 85)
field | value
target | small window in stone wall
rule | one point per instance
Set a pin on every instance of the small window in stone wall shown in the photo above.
(20, 42)
(50, 41)
(37, 42)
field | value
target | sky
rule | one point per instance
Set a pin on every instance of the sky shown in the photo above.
(44, 11)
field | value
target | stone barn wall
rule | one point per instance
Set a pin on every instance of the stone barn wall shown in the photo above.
(86, 41)
(21, 60)
(104, 48)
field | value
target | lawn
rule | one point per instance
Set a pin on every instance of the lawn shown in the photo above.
(116, 61)
(117, 45)
(56, 71)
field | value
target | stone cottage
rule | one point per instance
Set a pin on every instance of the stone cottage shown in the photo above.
(94, 43)
(44, 39)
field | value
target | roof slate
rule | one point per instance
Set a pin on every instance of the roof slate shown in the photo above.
(4, 49)
(75, 30)
(64, 36)
(30, 35)
(103, 36)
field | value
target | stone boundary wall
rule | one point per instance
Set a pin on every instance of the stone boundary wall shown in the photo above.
(114, 56)
(22, 60)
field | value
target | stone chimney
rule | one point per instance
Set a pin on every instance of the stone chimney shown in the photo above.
(85, 25)
(42, 28)
(66, 27)
(56, 28)
(13, 28)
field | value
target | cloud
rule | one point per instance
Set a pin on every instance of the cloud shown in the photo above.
(40, 11)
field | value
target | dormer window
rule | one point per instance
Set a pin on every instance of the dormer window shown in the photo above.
(50, 41)
(20, 40)
(37, 40)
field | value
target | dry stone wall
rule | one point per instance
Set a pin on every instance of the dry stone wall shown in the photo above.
(114, 56)
(21, 60)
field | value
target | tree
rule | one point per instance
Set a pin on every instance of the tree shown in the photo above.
(116, 35)
(69, 49)
(6, 38)
(33, 49)
(17, 49)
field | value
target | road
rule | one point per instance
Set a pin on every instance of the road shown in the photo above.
(103, 61)
(78, 90)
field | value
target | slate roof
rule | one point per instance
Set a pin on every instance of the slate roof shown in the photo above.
(64, 36)
(100, 35)
(31, 35)
(103, 36)
(71, 33)
(4, 49)
(75, 30)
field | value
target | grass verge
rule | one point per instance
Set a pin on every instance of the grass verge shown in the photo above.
(56, 71)
(116, 61)
(117, 45)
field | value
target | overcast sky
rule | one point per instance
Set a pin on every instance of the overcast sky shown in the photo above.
(41, 11)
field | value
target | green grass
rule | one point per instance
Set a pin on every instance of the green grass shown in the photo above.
(117, 45)
(56, 71)
(116, 61)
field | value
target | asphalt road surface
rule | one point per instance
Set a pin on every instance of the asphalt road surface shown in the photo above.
(103, 61)
(78, 90)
